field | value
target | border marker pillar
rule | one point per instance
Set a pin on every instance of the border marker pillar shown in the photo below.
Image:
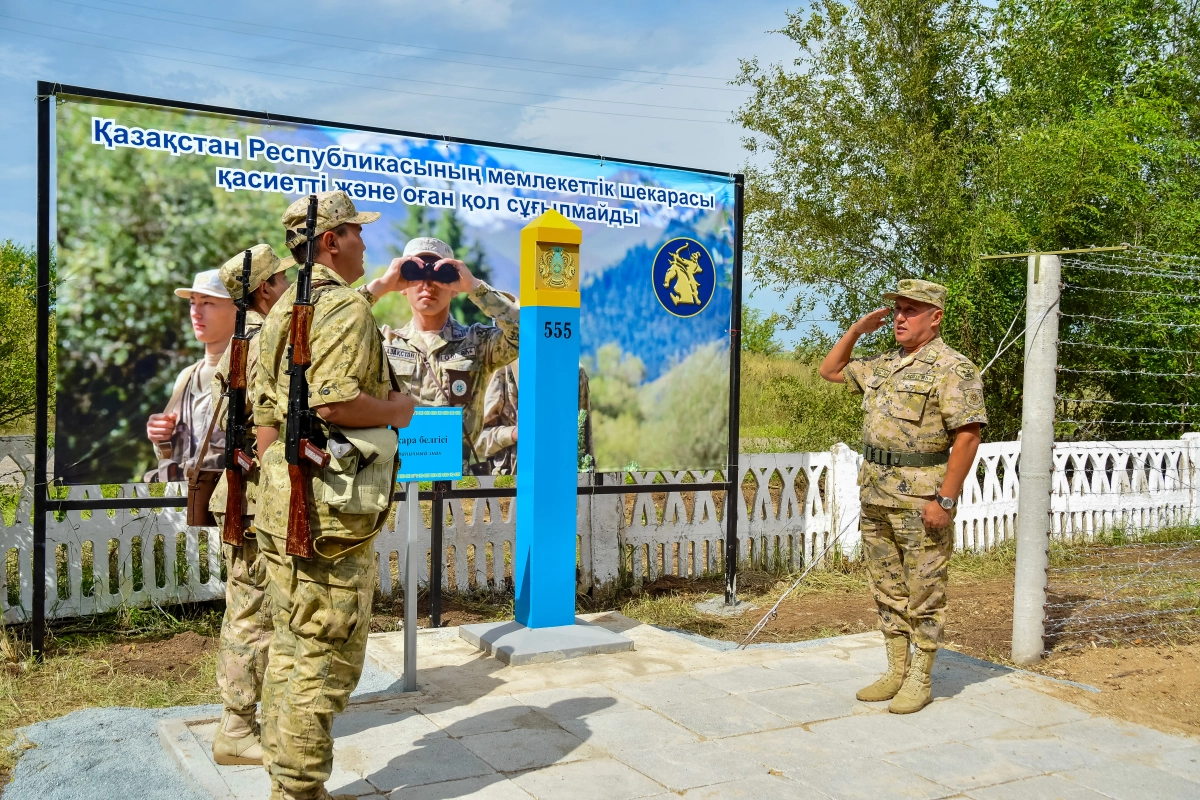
(544, 559)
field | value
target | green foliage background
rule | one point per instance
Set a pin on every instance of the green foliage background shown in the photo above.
(132, 227)
(18, 326)
(910, 136)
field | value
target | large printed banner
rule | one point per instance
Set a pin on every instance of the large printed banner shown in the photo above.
(149, 195)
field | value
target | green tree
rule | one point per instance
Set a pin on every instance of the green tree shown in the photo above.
(132, 226)
(18, 326)
(758, 332)
(448, 227)
(913, 135)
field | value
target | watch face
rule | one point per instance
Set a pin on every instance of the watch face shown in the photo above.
(946, 503)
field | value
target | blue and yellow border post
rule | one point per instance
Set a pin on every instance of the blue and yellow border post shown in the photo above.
(547, 457)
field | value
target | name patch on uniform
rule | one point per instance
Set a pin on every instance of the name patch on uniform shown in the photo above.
(918, 376)
(396, 352)
(965, 371)
(882, 372)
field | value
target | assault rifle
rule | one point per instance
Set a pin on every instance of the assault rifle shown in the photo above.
(305, 442)
(237, 460)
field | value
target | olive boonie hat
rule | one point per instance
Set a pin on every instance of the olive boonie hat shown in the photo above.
(921, 291)
(263, 264)
(333, 209)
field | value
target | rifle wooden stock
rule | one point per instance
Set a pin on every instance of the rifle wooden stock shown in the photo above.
(233, 532)
(238, 350)
(299, 537)
(298, 335)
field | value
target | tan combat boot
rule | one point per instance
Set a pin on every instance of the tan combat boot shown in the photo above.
(886, 687)
(236, 740)
(916, 692)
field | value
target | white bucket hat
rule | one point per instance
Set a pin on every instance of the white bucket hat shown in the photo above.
(427, 244)
(207, 282)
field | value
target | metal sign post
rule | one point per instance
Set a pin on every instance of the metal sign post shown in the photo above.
(411, 560)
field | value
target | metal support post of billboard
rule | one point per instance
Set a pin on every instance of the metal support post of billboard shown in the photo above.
(1037, 457)
(435, 553)
(733, 493)
(412, 557)
(41, 438)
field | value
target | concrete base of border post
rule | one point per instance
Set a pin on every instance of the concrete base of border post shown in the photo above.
(1037, 458)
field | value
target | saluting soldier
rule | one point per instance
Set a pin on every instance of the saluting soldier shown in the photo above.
(497, 442)
(923, 404)
(321, 606)
(437, 359)
(178, 433)
(246, 627)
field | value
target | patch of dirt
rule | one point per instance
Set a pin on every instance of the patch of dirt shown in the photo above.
(176, 657)
(388, 613)
(1158, 686)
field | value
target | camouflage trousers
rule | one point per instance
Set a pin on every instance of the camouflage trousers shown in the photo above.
(907, 563)
(322, 615)
(245, 629)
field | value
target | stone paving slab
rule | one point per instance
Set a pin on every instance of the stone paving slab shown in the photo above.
(681, 714)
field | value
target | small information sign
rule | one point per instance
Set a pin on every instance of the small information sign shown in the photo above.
(431, 446)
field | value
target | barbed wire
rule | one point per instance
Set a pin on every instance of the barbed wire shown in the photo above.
(1184, 276)
(1125, 349)
(1128, 372)
(1172, 295)
(1133, 320)
(1097, 401)
(1122, 422)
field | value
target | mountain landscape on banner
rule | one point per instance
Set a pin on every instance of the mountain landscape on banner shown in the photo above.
(619, 306)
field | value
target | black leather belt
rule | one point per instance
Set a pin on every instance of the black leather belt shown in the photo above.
(890, 458)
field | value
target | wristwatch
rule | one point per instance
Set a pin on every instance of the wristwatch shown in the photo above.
(945, 502)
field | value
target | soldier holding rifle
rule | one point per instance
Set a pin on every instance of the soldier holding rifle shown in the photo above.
(255, 280)
(313, 530)
(924, 410)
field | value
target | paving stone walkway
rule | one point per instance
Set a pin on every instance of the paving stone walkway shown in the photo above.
(676, 717)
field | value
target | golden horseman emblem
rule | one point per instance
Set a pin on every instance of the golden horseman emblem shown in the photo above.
(557, 268)
(684, 271)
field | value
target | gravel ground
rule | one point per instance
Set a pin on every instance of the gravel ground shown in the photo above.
(114, 752)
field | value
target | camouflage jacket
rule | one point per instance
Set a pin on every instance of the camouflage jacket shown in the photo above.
(217, 388)
(495, 443)
(913, 403)
(452, 369)
(347, 359)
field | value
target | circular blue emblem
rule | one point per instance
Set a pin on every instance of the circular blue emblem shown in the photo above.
(684, 277)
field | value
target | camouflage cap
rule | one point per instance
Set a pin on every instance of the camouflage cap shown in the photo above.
(921, 291)
(263, 264)
(333, 209)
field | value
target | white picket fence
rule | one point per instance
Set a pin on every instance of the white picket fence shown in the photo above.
(792, 506)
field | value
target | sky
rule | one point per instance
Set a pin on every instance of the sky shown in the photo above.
(619, 78)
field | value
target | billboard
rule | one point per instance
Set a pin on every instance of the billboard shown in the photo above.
(150, 193)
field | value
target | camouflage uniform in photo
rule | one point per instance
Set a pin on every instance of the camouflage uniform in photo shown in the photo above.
(453, 366)
(321, 606)
(192, 400)
(246, 626)
(912, 403)
(495, 445)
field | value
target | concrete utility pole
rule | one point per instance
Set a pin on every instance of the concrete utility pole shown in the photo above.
(1037, 457)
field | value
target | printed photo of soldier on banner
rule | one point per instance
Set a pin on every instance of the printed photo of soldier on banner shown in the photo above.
(152, 198)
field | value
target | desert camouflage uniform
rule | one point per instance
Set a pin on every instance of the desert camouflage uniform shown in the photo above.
(453, 368)
(322, 606)
(913, 403)
(246, 626)
(495, 444)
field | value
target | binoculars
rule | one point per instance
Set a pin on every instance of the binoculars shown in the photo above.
(422, 268)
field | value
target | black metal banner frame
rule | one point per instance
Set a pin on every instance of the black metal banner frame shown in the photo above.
(48, 93)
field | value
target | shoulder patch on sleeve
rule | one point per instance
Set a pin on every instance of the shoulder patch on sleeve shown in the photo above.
(965, 371)
(973, 398)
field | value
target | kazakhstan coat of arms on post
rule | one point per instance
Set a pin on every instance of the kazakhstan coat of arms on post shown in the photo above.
(557, 267)
(684, 277)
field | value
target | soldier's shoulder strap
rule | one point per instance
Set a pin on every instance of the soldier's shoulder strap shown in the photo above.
(181, 384)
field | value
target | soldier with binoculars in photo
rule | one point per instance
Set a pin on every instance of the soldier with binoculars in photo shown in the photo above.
(438, 360)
